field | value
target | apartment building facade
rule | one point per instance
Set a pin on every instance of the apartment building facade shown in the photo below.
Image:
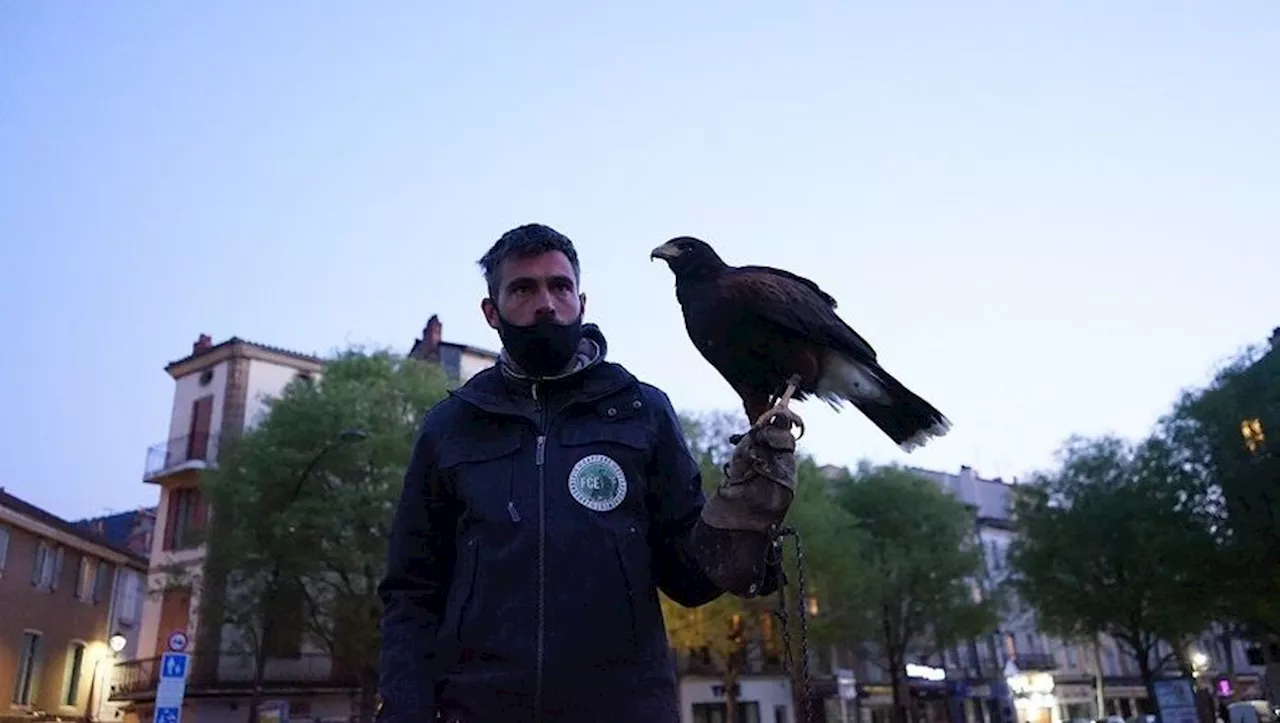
(220, 390)
(70, 605)
(1050, 681)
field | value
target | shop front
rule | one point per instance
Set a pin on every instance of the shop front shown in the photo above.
(1033, 697)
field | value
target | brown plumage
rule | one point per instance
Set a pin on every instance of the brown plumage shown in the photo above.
(775, 336)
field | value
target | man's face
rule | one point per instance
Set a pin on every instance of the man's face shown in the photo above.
(535, 287)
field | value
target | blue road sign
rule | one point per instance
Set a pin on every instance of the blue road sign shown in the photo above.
(171, 687)
(173, 665)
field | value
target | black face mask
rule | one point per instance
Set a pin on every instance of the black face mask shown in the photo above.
(543, 348)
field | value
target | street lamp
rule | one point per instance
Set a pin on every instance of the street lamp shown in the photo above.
(116, 642)
(346, 436)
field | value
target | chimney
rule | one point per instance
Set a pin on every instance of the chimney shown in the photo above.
(431, 334)
(428, 347)
(203, 344)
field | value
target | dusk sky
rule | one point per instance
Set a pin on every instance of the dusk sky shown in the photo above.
(1048, 218)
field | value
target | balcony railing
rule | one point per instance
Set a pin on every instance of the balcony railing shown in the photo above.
(191, 450)
(232, 672)
(1036, 662)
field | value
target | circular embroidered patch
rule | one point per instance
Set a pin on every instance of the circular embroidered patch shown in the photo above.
(598, 483)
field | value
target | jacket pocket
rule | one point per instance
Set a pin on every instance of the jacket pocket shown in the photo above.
(482, 473)
(633, 624)
(627, 444)
(461, 596)
(647, 635)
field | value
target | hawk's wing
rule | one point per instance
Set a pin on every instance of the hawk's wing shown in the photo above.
(795, 303)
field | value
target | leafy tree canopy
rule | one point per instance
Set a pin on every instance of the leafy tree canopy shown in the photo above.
(303, 502)
(1227, 434)
(1115, 541)
(903, 558)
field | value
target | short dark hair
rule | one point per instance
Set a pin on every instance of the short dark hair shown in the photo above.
(530, 239)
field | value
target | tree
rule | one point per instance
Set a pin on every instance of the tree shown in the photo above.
(917, 558)
(1221, 431)
(1115, 542)
(302, 507)
(1221, 435)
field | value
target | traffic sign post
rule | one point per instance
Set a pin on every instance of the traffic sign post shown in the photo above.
(173, 680)
(177, 641)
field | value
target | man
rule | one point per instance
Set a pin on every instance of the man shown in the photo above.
(547, 501)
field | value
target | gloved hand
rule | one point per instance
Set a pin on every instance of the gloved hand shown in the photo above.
(759, 481)
(732, 540)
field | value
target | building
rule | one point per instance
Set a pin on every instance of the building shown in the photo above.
(459, 361)
(131, 529)
(219, 391)
(1051, 682)
(763, 689)
(70, 603)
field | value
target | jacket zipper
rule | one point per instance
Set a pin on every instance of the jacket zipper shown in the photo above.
(539, 458)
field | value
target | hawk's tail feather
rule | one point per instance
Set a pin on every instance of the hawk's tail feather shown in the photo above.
(902, 414)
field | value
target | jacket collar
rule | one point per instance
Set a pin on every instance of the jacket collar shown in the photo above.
(504, 389)
(591, 351)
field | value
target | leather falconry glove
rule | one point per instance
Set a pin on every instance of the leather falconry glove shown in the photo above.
(752, 500)
(759, 481)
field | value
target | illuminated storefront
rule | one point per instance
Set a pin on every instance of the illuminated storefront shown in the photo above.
(1033, 697)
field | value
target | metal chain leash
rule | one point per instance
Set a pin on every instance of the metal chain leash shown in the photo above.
(802, 614)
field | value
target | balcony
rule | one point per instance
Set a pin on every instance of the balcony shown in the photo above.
(232, 674)
(1036, 662)
(188, 452)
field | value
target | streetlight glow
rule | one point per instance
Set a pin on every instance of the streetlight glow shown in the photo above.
(116, 642)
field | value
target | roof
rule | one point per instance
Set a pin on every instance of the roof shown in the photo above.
(26, 509)
(229, 347)
(991, 498)
(471, 349)
(120, 528)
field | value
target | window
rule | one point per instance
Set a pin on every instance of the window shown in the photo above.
(995, 558)
(24, 684)
(1251, 430)
(101, 581)
(131, 599)
(748, 712)
(185, 519)
(4, 546)
(1071, 657)
(198, 439)
(85, 579)
(75, 670)
(46, 568)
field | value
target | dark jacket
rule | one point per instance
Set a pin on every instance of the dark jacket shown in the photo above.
(509, 600)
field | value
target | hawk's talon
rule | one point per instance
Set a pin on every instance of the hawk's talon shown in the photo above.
(780, 412)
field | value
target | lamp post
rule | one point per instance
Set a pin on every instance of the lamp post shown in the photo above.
(99, 691)
(347, 436)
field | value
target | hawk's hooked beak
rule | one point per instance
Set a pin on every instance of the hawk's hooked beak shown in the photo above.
(666, 251)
